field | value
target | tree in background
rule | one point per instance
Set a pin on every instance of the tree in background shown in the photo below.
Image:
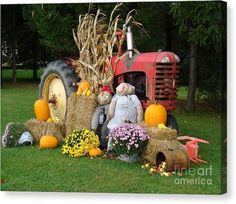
(11, 22)
(193, 30)
(53, 24)
(203, 26)
(19, 43)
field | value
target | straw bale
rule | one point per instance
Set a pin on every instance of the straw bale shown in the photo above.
(40, 128)
(80, 111)
(160, 133)
(165, 141)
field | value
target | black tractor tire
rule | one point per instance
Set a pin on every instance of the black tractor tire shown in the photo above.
(62, 70)
(172, 122)
(65, 74)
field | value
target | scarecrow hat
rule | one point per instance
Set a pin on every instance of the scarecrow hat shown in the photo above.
(107, 89)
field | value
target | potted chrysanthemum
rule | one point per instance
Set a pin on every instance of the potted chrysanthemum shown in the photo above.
(128, 141)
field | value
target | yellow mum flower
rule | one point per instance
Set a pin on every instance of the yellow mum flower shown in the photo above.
(79, 142)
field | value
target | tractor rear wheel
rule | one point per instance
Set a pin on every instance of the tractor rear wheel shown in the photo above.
(56, 87)
(172, 122)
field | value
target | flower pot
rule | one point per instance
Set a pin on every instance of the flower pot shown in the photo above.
(128, 158)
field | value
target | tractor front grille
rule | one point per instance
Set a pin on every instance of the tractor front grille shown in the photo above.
(167, 76)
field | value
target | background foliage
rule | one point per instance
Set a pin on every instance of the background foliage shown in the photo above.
(44, 33)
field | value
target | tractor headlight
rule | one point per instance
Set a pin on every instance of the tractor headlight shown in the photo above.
(165, 59)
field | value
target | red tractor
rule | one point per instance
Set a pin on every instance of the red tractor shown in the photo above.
(154, 75)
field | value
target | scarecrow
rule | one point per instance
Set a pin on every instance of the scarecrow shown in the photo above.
(125, 107)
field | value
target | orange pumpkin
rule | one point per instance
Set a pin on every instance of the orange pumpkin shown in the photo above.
(95, 152)
(155, 114)
(84, 85)
(48, 141)
(41, 110)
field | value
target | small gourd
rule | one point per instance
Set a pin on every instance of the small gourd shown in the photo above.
(84, 85)
(48, 141)
(50, 120)
(89, 93)
(41, 110)
(95, 152)
(79, 92)
(155, 114)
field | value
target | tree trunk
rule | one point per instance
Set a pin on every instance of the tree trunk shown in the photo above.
(35, 68)
(1, 75)
(14, 47)
(14, 64)
(192, 78)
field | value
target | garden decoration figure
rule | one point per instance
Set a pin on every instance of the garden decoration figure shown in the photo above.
(124, 107)
(104, 99)
(99, 116)
(26, 139)
(192, 148)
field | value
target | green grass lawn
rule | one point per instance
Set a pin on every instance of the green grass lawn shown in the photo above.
(34, 169)
(23, 75)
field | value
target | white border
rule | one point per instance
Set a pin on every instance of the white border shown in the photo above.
(31, 197)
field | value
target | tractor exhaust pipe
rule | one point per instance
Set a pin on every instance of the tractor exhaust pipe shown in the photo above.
(130, 46)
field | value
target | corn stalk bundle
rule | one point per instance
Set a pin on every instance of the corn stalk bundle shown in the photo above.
(95, 38)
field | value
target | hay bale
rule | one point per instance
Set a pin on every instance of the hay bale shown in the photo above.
(164, 146)
(40, 128)
(80, 111)
(160, 133)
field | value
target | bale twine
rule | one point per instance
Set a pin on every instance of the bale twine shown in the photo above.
(80, 111)
(40, 128)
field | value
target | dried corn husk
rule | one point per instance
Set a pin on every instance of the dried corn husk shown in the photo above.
(96, 39)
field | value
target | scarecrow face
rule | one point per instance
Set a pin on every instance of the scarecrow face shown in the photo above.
(125, 89)
(104, 98)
